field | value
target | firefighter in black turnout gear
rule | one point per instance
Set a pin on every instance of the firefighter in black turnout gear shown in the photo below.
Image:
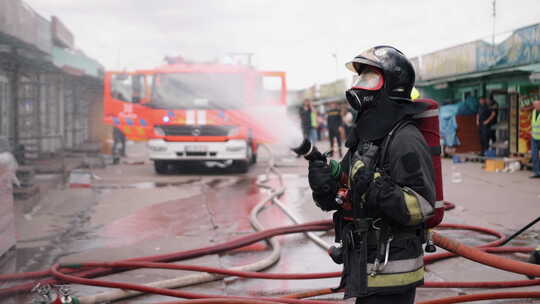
(389, 176)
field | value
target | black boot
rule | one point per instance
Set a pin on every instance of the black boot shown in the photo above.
(534, 259)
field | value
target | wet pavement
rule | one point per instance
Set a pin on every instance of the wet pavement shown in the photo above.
(130, 212)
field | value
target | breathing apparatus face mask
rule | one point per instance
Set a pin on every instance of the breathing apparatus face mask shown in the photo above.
(365, 89)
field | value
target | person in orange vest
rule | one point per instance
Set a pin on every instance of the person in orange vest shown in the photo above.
(535, 138)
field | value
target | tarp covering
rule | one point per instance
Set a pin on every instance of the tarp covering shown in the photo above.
(448, 123)
(468, 107)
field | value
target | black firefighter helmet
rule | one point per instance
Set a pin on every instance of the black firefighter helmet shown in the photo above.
(381, 92)
(397, 71)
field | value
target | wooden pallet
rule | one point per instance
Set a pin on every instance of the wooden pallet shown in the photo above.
(471, 158)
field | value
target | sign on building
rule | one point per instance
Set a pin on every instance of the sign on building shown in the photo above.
(521, 48)
(20, 21)
(455, 60)
(61, 35)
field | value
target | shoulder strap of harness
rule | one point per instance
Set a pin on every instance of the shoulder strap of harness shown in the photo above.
(381, 158)
(383, 152)
(384, 165)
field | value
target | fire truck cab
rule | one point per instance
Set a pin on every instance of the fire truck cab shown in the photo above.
(193, 112)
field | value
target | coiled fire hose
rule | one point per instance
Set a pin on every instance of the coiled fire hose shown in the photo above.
(78, 273)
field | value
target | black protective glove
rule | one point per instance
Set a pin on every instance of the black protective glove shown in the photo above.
(381, 188)
(362, 169)
(323, 185)
(385, 199)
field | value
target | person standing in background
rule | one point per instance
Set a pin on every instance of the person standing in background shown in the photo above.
(305, 118)
(494, 107)
(535, 138)
(484, 121)
(321, 126)
(314, 126)
(334, 122)
(119, 139)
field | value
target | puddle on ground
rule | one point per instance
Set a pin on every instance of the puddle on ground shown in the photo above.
(145, 185)
(219, 211)
(47, 176)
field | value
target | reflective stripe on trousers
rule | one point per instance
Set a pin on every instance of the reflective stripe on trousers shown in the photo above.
(396, 279)
(399, 266)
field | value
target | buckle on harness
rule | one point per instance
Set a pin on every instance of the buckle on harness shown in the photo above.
(375, 222)
(377, 267)
(361, 227)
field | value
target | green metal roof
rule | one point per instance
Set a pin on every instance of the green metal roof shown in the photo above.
(535, 68)
(423, 83)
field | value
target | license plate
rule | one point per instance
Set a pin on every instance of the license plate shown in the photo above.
(196, 148)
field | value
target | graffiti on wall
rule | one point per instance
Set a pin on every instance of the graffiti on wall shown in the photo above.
(520, 48)
(456, 60)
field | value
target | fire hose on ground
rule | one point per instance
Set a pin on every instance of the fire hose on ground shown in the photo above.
(469, 252)
(80, 273)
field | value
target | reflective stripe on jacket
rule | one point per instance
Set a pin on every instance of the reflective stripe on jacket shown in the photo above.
(535, 126)
(314, 122)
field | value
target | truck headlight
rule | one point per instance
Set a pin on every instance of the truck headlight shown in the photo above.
(157, 148)
(159, 131)
(157, 145)
(236, 145)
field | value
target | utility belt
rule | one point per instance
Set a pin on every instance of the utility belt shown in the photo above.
(365, 244)
(374, 226)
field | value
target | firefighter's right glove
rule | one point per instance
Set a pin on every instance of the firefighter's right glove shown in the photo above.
(380, 190)
(323, 185)
(363, 167)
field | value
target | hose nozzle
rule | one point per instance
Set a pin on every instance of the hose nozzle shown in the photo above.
(309, 151)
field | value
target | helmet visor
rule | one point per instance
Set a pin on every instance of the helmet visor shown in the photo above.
(369, 78)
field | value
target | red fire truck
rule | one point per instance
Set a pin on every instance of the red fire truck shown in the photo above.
(194, 112)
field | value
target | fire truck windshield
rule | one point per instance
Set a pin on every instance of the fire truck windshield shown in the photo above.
(198, 91)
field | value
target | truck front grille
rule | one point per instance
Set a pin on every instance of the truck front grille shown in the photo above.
(190, 130)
